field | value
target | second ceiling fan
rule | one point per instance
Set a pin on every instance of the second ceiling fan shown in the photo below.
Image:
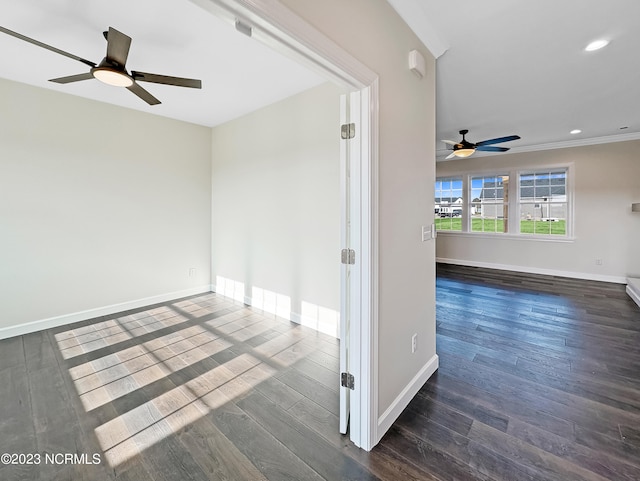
(464, 148)
(111, 70)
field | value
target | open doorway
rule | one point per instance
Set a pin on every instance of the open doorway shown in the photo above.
(274, 25)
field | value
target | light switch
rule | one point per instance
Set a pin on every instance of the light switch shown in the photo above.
(426, 233)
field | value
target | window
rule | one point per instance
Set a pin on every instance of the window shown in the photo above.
(532, 203)
(543, 203)
(489, 206)
(448, 204)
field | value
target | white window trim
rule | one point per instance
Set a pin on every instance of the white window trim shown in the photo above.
(568, 192)
(467, 180)
(514, 203)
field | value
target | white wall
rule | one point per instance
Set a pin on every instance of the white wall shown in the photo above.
(372, 32)
(99, 205)
(276, 208)
(606, 178)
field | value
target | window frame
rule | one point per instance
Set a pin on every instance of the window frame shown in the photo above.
(568, 201)
(514, 202)
(452, 179)
(470, 202)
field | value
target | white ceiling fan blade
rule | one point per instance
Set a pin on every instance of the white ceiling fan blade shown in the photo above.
(450, 142)
(451, 155)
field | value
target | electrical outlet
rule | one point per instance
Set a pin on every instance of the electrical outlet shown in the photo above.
(192, 272)
(414, 343)
(598, 262)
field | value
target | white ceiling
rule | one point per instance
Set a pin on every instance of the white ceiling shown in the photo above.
(170, 37)
(504, 66)
(519, 67)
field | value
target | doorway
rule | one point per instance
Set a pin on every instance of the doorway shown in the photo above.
(274, 25)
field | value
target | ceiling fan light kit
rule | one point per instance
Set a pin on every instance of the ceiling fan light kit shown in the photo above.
(464, 148)
(110, 76)
(111, 70)
(463, 152)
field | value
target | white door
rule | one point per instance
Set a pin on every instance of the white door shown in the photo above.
(350, 270)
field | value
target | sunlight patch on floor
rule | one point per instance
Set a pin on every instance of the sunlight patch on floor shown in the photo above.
(213, 352)
(131, 433)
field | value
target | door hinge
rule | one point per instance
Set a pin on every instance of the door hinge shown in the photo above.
(347, 131)
(348, 256)
(347, 380)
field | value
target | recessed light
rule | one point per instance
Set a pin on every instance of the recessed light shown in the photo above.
(596, 45)
(575, 131)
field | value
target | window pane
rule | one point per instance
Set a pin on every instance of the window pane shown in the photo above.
(546, 218)
(559, 218)
(542, 179)
(558, 184)
(487, 209)
(543, 203)
(526, 180)
(448, 204)
(486, 224)
(542, 226)
(527, 190)
(488, 194)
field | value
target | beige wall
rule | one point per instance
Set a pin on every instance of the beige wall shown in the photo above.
(606, 179)
(372, 32)
(99, 205)
(276, 208)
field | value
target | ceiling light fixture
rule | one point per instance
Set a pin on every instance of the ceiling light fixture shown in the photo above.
(596, 45)
(575, 131)
(463, 152)
(111, 76)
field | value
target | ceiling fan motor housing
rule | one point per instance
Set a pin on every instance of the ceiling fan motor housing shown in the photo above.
(464, 143)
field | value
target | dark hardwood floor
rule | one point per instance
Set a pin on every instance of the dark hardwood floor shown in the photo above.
(198, 389)
(539, 379)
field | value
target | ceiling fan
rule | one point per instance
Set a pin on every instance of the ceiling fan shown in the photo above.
(111, 70)
(464, 148)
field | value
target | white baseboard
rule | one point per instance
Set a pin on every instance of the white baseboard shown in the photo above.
(39, 325)
(535, 270)
(404, 398)
(633, 289)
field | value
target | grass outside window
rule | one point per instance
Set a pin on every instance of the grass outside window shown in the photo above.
(532, 227)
